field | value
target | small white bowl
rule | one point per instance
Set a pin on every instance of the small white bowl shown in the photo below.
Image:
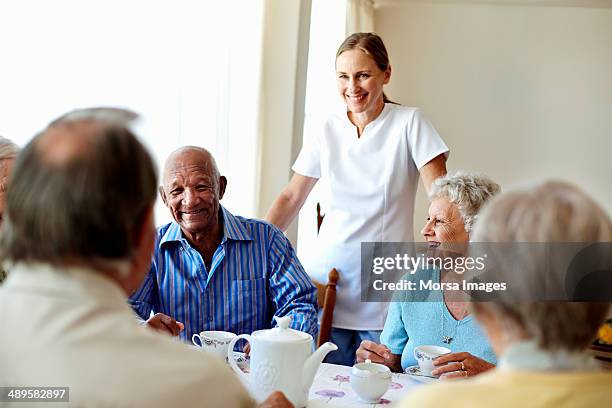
(370, 381)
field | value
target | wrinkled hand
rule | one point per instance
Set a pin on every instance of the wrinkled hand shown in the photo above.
(378, 353)
(276, 400)
(165, 324)
(472, 365)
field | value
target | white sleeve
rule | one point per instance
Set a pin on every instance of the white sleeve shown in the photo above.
(424, 141)
(308, 162)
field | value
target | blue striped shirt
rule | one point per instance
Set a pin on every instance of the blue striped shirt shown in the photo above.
(254, 276)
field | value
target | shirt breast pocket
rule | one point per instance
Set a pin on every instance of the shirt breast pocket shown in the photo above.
(251, 309)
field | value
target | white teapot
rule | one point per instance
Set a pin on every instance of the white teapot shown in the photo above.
(281, 360)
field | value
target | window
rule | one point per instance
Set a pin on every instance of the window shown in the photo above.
(191, 69)
(327, 31)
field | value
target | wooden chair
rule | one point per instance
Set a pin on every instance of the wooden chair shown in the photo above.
(326, 300)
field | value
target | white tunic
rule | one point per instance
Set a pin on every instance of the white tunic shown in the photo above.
(370, 188)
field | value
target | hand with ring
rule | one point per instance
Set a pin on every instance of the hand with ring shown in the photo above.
(458, 365)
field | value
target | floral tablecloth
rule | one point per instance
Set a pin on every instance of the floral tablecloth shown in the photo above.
(332, 388)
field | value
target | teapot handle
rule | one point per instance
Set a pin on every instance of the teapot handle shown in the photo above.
(232, 360)
(193, 340)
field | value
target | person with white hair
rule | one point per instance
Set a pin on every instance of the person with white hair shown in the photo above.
(541, 344)
(8, 152)
(456, 200)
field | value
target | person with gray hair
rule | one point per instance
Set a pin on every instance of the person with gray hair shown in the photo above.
(79, 234)
(443, 319)
(541, 344)
(468, 191)
(213, 270)
(8, 152)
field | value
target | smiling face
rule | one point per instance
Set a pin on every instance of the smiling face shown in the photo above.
(360, 82)
(192, 189)
(444, 223)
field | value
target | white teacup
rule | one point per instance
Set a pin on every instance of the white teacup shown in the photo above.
(370, 381)
(214, 341)
(425, 355)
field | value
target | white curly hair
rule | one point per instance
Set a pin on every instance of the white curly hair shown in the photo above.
(469, 192)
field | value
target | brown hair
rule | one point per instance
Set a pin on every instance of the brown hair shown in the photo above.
(372, 45)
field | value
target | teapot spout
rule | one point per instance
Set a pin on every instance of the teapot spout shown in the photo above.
(313, 362)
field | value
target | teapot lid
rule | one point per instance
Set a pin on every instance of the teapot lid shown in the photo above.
(282, 332)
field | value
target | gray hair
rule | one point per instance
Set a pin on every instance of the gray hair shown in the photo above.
(205, 153)
(8, 149)
(469, 191)
(83, 198)
(551, 212)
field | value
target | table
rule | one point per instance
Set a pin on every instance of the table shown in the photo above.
(332, 388)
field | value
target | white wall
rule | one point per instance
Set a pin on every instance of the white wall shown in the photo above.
(521, 93)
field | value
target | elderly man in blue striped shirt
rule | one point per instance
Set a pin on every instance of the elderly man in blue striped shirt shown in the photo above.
(212, 270)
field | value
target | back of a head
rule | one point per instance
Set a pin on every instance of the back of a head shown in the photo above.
(78, 190)
(552, 213)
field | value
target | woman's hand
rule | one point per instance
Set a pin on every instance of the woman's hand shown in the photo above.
(378, 353)
(460, 365)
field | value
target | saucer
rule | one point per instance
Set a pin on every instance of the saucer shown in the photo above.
(415, 373)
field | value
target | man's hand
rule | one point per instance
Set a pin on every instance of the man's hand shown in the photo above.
(166, 324)
(276, 400)
(378, 353)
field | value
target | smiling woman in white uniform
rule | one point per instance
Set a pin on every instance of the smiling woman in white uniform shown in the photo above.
(371, 155)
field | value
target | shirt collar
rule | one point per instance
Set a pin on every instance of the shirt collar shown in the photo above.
(527, 355)
(345, 115)
(70, 281)
(233, 228)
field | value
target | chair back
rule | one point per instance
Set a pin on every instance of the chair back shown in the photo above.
(326, 300)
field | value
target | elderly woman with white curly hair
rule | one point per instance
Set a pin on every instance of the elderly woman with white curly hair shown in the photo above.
(541, 344)
(455, 203)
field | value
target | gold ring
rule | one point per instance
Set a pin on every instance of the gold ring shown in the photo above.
(462, 367)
